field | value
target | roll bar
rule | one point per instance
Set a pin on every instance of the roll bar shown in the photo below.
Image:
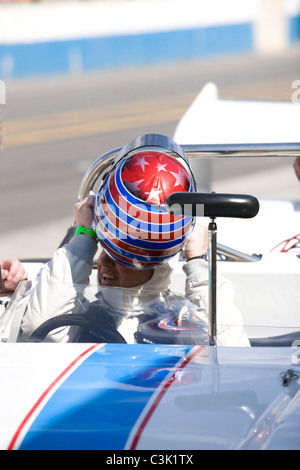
(289, 149)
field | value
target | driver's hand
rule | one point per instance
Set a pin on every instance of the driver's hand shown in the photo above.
(12, 272)
(296, 165)
(84, 211)
(197, 243)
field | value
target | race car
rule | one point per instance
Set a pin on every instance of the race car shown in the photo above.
(173, 387)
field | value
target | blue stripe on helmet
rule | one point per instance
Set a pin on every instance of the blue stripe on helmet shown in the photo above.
(148, 244)
(145, 226)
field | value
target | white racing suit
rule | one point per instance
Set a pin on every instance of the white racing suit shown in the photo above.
(71, 267)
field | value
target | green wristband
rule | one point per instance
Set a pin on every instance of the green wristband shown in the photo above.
(80, 229)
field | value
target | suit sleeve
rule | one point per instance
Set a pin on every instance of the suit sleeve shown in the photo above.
(56, 290)
(230, 329)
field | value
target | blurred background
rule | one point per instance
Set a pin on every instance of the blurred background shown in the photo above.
(79, 78)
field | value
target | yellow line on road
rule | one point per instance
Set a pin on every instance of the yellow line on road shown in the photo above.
(94, 127)
(98, 120)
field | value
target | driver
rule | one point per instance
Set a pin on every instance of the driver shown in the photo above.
(134, 252)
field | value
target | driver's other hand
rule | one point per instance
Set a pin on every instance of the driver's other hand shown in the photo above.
(296, 166)
(12, 272)
(197, 243)
(84, 211)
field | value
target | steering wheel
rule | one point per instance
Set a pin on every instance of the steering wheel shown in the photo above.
(94, 329)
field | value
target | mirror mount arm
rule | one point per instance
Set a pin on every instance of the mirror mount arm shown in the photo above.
(212, 205)
(212, 267)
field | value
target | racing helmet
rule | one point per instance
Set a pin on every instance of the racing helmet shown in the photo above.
(130, 217)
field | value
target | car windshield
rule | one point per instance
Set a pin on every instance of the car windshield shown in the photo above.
(116, 315)
(105, 314)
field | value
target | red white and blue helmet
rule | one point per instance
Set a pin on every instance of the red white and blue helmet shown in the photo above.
(130, 218)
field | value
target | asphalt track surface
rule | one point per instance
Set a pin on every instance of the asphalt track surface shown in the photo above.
(56, 127)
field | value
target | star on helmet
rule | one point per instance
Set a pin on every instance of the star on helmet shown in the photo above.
(141, 161)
